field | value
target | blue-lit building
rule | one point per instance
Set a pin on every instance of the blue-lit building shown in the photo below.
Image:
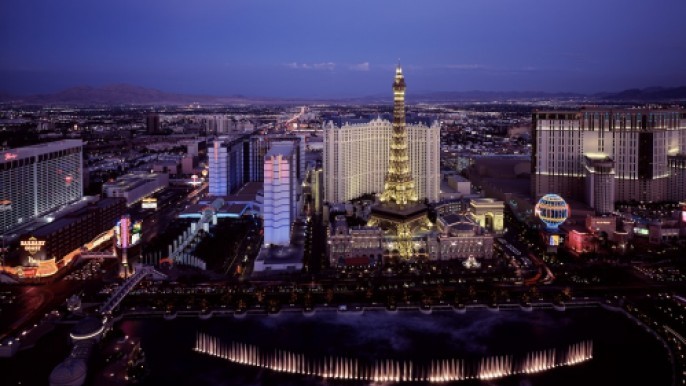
(280, 193)
(226, 164)
(234, 162)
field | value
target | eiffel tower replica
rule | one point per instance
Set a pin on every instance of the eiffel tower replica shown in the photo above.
(400, 214)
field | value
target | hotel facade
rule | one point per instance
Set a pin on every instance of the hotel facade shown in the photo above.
(601, 156)
(356, 157)
(38, 179)
(280, 191)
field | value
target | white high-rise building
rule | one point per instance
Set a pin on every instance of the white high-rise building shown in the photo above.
(233, 161)
(226, 124)
(356, 157)
(226, 161)
(218, 164)
(280, 193)
(623, 152)
(38, 179)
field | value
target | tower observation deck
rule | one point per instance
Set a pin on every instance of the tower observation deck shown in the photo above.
(400, 214)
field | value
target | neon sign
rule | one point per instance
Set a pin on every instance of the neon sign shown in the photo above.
(32, 245)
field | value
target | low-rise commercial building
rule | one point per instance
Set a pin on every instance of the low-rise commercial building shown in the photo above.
(134, 187)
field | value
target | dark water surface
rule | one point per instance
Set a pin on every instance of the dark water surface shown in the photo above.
(624, 353)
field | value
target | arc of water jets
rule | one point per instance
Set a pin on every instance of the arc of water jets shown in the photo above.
(392, 370)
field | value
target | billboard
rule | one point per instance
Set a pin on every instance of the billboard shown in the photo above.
(149, 203)
(32, 245)
(5, 205)
(641, 231)
(128, 233)
(122, 231)
(136, 231)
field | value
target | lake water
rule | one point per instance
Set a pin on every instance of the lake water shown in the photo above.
(623, 352)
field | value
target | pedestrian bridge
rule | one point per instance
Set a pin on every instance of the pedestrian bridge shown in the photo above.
(85, 254)
(128, 285)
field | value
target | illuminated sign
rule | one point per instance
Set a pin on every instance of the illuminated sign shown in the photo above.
(136, 231)
(641, 231)
(554, 240)
(5, 205)
(127, 233)
(32, 245)
(683, 216)
(122, 232)
(10, 156)
(149, 203)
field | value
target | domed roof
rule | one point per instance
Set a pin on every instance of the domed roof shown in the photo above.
(552, 198)
(462, 228)
(87, 327)
(70, 372)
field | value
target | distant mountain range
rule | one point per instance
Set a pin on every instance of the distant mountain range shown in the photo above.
(125, 94)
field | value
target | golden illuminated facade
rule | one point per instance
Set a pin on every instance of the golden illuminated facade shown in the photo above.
(356, 155)
(399, 184)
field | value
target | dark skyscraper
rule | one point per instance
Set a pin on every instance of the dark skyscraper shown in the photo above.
(153, 123)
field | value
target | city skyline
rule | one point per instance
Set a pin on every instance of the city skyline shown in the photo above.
(248, 192)
(320, 50)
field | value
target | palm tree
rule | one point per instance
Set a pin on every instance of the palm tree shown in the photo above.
(259, 296)
(471, 293)
(525, 298)
(534, 293)
(274, 305)
(440, 292)
(567, 293)
(308, 300)
(226, 298)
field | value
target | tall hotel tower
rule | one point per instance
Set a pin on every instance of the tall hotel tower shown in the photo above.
(357, 154)
(601, 156)
(280, 189)
(38, 179)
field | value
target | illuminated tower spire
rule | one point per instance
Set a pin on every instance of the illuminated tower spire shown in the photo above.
(399, 185)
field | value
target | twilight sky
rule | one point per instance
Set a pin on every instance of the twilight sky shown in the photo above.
(341, 48)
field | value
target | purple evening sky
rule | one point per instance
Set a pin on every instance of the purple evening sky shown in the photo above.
(327, 48)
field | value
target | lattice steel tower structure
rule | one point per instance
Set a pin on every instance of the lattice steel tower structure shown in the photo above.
(400, 214)
(399, 184)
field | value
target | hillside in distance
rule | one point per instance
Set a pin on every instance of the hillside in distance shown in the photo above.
(122, 94)
(126, 94)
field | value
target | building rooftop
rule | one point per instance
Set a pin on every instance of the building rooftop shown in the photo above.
(281, 148)
(131, 181)
(410, 119)
(278, 254)
(38, 149)
(247, 192)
